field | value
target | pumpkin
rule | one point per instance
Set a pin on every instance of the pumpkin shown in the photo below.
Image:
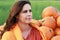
(36, 22)
(55, 38)
(57, 31)
(58, 21)
(40, 22)
(49, 22)
(50, 11)
(46, 32)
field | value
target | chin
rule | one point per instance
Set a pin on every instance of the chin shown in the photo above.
(28, 21)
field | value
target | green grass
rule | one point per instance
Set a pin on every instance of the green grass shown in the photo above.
(37, 8)
(45, 0)
(5, 7)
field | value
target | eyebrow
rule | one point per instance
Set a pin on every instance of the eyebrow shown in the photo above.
(26, 10)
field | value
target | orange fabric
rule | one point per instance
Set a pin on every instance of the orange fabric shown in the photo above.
(34, 35)
(15, 34)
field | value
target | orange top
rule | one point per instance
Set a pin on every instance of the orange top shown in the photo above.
(15, 34)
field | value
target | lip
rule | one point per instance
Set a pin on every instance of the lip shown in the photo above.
(28, 18)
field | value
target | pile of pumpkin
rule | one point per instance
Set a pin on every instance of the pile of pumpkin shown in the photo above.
(49, 25)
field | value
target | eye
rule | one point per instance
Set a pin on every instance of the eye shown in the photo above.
(30, 10)
(25, 11)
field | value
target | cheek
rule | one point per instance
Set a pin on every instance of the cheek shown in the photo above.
(22, 17)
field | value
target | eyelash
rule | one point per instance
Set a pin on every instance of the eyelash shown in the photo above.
(26, 11)
(30, 10)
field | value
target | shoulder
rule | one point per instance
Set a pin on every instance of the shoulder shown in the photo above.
(7, 35)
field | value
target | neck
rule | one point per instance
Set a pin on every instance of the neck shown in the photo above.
(23, 26)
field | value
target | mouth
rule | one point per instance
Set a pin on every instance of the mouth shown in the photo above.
(28, 18)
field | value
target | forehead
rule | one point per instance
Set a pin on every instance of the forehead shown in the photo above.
(26, 7)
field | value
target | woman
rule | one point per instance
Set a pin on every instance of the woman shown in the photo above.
(18, 25)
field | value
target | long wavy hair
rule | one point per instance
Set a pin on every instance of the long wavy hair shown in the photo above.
(16, 9)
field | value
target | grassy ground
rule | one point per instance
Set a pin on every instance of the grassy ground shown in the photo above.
(37, 8)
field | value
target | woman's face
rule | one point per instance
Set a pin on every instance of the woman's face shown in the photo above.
(25, 15)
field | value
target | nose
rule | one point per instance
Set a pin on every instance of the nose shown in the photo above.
(29, 13)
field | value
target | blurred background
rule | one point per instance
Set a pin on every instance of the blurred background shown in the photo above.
(37, 8)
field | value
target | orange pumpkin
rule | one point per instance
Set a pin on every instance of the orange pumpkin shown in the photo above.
(50, 11)
(57, 31)
(40, 22)
(37, 22)
(58, 21)
(46, 32)
(49, 22)
(55, 38)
